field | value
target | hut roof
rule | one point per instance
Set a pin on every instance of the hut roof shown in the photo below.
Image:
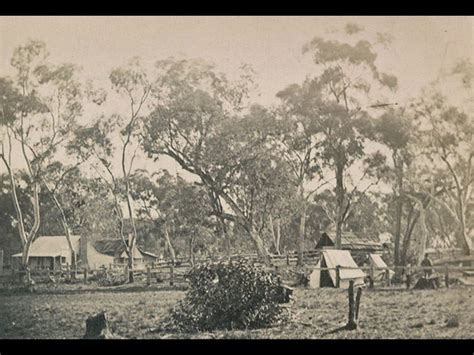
(51, 246)
(350, 241)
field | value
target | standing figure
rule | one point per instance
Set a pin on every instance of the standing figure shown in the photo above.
(427, 264)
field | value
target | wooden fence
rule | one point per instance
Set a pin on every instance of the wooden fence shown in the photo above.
(173, 273)
(166, 271)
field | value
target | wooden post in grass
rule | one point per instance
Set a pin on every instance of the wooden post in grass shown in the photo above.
(1, 261)
(408, 276)
(357, 303)
(85, 275)
(371, 276)
(287, 259)
(172, 273)
(148, 276)
(354, 303)
(446, 276)
(387, 277)
(338, 276)
(353, 307)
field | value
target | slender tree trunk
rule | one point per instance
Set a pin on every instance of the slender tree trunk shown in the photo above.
(424, 235)
(19, 214)
(258, 243)
(463, 194)
(272, 230)
(225, 237)
(278, 236)
(191, 251)
(407, 239)
(132, 241)
(66, 229)
(465, 239)
(301, 233)
(399, 210)
(340, 203)
(34, 229)
(169, 245)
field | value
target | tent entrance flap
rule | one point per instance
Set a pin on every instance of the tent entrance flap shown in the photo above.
(326, 279)
(348, 270)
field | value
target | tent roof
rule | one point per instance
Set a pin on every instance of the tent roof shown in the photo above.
(377, 261)
(342, 258)
(52, 246)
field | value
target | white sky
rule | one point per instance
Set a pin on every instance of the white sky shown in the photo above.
(421, 47)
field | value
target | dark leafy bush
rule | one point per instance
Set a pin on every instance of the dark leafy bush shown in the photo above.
(230, 295)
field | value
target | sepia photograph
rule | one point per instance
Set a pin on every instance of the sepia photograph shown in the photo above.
(236, 177)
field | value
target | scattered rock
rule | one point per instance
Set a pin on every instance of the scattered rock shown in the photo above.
(452, 322)
(417, 325)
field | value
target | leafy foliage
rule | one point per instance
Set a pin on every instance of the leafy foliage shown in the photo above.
(233, 295)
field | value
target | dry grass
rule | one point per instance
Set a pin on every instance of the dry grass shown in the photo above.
(133, 312)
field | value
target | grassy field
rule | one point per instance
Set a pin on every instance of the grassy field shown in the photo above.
(134, 311)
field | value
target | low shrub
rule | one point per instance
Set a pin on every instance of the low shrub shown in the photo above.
(230, 295)
(108, 278)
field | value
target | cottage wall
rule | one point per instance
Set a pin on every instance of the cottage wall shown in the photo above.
(95, 259)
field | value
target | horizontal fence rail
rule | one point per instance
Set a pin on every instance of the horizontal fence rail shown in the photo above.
(166, 270)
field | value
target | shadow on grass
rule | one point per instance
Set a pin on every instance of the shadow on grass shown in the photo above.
(339, 329)
(98, 289)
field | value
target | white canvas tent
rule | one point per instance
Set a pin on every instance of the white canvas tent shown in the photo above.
(330, 258)
(377, 262)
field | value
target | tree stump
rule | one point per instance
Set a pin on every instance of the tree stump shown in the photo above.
(97, 327)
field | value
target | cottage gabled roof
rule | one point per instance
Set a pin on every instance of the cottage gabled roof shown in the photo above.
(51, 246)
(109, 247)
(115, 247)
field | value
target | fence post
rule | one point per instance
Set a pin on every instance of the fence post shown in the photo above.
(446, 276)
(85, 275)
(1, 261)
(338, 276)
(387, 277)
(408, 276)
(172, 273)
(357, 303)
(148, 276)
(371, 276)
(287, 259)
(351, 323)
(28, 276)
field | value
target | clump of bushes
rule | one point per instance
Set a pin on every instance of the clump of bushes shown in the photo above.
(230, 295)
(108, 278)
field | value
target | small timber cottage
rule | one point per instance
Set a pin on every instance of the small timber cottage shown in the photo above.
(359, 246)
(53, 252)
(107, 252)
(49, 252)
